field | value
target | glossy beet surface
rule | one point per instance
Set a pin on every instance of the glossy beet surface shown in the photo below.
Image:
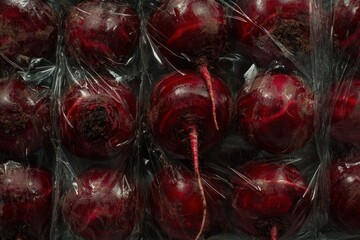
(101, 205)
(25, 201)
(345, 194)
(345, 102)
(347, 27)
(177, 205)
(102, 32)
(180, 103)
(24, 117)
(98, 118)
(28, 30)
(286, 21)
(270, 200)
(276, 112)
(194, 30)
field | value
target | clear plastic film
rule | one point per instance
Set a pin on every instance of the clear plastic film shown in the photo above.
(231, 94)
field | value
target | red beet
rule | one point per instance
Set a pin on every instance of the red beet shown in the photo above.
(177, 204)
(345, 111)
(194, 30)
(24, 117)
(286, 22)
(28, 30)
(98, 119)
(25, 201)
(347, 27)
(345, 195)
(276, 112)
(102, 32)
(103, 204)
(270, 200)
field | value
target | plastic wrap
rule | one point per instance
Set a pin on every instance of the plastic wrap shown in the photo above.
(233, 96)
(97, 121)
(28, 44)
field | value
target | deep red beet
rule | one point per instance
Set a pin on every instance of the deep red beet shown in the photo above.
(345, 103)
(347, 27)
(25, 201)
(193, 30)
(270, 21)
(177, 204)
(276, 112)
(345, 194)
(103, 205)
(24, 117)
(28, 30)
(102, 32)
(270, 200)
(179, 114)
(98, 118)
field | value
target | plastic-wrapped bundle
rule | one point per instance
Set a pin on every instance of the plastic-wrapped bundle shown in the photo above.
(228, 82)
(97, 121)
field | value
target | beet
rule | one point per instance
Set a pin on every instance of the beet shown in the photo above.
(271, 21)
(102, 32)
(276, 112)
(98, 119)
(102, 204)
(24, 117)
(28, 30)
(345, 195)
(25, 201)
(270, 200)
(195, 31)
(347, 27)
(177, 205)
(345, 111)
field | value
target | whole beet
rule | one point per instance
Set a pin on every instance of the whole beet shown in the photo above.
(177, 205)
(25, 201)
(24, 117)
(28, 30)
(102, 32)
(98, 118)
(276, 112)
(269, 23)
(345, 117)
(103, 204)
(270, 200)
(345, 195)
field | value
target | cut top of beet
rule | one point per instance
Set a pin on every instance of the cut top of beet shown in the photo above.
(180, 103)
(98, 118)
(102, 32)
(24, 117)
(28, 30)
(193, 30)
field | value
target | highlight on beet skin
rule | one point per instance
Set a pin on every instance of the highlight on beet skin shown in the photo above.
(270, 200)
(98, 119)
(28, 30)
(25, 201)
(102, 32)
(24, 117)
(102, 204)
(275, 112)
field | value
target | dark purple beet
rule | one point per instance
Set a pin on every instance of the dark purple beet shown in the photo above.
(102, 32)
(270, 200)
(98, 118)
(24, 117)
(345, 193)
(177, 203)
(28, 30)
(103, 205)
(193, 30)
(25, 201)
